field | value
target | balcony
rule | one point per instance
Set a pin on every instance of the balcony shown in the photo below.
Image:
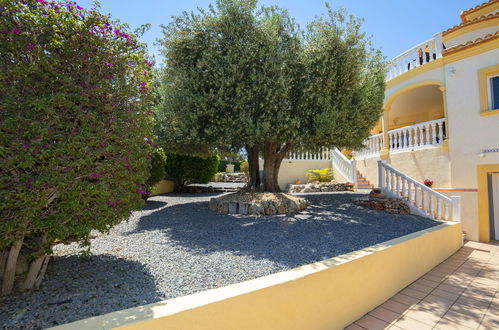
(417, 56)
(422, 135)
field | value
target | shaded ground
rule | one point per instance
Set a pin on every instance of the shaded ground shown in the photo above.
(176, 246)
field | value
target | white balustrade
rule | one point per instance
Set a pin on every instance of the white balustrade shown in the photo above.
(430, 133)
(373, 146)
(346, 167)
(421, 54)
(421, 199)
(323, 153)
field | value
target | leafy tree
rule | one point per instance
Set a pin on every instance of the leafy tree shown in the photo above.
(237, 77)
(75, 133)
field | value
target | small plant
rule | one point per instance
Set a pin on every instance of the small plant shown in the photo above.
(350, 186)
(219, 177)
(245, 168)
(428, 182)
(322, 175)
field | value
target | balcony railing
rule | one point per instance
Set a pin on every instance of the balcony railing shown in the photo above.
(421, 54)
(430, 133)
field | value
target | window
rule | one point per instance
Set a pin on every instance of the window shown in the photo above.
(489, 90)
(494, 92)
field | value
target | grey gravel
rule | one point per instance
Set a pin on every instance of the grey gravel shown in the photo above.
(176, 246)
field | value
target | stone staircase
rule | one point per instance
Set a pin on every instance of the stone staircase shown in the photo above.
(362, 182)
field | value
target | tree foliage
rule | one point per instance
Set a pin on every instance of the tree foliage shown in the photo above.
(75, 109)
(237, 76)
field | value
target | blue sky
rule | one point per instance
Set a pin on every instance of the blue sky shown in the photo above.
(395, 25)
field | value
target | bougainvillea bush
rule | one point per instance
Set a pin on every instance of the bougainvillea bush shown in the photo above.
(75, 143)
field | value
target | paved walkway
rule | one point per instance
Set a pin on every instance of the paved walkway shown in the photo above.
(460, 293)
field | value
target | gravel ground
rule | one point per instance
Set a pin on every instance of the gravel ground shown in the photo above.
(176, 246)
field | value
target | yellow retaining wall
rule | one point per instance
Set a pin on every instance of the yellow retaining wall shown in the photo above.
(163, 187)
(325, 295)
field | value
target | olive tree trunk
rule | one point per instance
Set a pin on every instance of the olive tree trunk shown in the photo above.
(273, 156)
(253, 165)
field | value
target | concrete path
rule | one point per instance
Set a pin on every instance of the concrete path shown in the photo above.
(460, 293)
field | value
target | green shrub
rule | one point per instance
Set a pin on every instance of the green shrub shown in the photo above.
(219, 177)
(322, 175)
(245, 168)
(157, 171)
(186, 169)
(75, 100)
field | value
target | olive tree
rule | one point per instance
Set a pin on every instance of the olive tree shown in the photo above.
(236, 76)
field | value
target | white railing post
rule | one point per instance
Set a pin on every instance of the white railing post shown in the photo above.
(354, 172)
(438, 44)
(456, 208)
(381, 173)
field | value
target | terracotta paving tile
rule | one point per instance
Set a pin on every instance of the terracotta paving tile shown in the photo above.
(464, 317)
(371, 323)
(436, 302)
(434, 278)
(413, 293)
(406, 300)
(385, 314)
(354, 327)
(420, 287)
(480, 301)
(395, 306)
(445, 294)
(489, 322)
(410, 324)
(427, 282)
(451, 288)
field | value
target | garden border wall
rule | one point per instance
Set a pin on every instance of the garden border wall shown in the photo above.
(329, 294)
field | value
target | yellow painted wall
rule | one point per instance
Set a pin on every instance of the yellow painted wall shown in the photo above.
(326, 295)
(469, 212)
(163, 187)
(291, 170)
(419, 164)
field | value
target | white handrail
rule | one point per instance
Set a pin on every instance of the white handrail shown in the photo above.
(421, 199)
(346, 167)
(429, 133)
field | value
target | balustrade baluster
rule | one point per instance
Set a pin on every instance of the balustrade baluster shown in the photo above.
(426, 130)
(440, 133)
(416, 203)
(437, 211)
(403, 182)
(423, 200)
(420, 140)
(430, 205)
(397, 184)
(433, 133)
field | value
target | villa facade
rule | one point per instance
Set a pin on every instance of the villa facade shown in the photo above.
(441, 118)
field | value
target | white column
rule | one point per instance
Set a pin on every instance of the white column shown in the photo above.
(456, 208)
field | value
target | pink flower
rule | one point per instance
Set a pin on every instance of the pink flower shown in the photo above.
(142, 83)
(31, 46)
(146, 72)
(26, 145)
(16, 31)
(43, 2)
(149, 63)
(45, 146)
(36, 151)
(109, 65)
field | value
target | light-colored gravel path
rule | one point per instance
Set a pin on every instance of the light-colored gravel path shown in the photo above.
(176, 246)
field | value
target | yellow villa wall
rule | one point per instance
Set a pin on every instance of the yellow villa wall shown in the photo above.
(325, 295)
(163, 187)
(292, 170)
(420, 164)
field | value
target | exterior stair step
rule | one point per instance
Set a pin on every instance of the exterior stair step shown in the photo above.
(362, 182)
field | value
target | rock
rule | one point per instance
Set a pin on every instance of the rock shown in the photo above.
(307, 190)
(376, 193)
(282, 208)
(256, 209)
(213, 204)
(269, 208)
(232, 207)
(243, 208)
(223, 207)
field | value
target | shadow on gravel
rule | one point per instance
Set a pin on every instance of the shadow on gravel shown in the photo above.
(153, 205)
(85, 287)
(330, 226)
